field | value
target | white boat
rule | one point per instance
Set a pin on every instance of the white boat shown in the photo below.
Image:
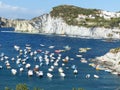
(2, 55)
(27, 66)
(2, 58)
(39, 73)
(83, 50)
(50, 69)
(31, 53)
(73, 67)
(108, 70)
(51, 47)
(55, 64)
(30, 72)
(115, 73)
(6, 57)
(83, 61)
(49, 75)
(28, 48)
(35, 52)
(60, 70)
(42, 45)
(18, 62)
(13, 59)
(36, 68)
(23, 62)
(8, 65)
(78, 55)
(21, 69)
(62, 74)
(67, 47)
(96, 76)
(16, 47)
(75, 71)
(14, 71)
(88, 76)
(1, 67)
(63, 64)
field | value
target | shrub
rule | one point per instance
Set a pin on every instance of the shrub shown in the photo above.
(21, 87)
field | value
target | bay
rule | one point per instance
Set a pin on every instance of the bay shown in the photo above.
(98, 47)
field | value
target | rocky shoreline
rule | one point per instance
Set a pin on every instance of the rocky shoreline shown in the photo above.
(110, 62)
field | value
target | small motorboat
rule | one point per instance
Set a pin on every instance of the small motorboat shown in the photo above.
(88, 76)
(17, 48)
(27, 66)
(96, 76)
(67, 47)
(21, 69)
(49, 75)
(60, 70)
(1, 67)
(50, 69)
(75, 71)
(14, 71)
(51, 47)
(83, 61)
(39, 73)
(30, 72)
(36, 68)
(62, 74)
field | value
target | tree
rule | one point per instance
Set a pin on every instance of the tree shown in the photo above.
(7, 88)
(21, 87)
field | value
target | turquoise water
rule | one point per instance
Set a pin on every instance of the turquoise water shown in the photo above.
(106, 81)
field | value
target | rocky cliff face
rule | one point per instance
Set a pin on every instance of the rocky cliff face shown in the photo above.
(109, 62)
(19, 25)
(51, 25)
(56, 25)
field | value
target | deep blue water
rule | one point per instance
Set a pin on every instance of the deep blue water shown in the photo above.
(106, 81)
(7, 29)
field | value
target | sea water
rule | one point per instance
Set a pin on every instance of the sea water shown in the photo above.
(98, 47)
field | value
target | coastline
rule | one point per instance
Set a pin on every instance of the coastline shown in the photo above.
(110, 62)
(65, 35)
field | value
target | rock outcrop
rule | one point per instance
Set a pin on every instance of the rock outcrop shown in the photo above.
(109, 62)
(19, 25)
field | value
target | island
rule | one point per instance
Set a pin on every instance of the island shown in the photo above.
(69, 20)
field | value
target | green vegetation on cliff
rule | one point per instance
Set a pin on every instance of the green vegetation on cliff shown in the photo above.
(115, 50)
(91, 17)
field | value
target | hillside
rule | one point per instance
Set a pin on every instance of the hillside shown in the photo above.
(86, 17)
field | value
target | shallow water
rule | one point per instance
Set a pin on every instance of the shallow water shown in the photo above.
(106, 81)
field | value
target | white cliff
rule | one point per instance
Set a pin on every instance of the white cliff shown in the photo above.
(18, 25)
(50, 25)
(46, 24)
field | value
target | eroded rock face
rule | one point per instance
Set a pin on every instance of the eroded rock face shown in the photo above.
(110, 61)
(19, 25)
(50, 25)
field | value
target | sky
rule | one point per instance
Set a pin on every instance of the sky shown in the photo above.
(28, 9)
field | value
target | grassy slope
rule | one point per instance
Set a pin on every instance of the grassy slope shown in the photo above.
(70, 14)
